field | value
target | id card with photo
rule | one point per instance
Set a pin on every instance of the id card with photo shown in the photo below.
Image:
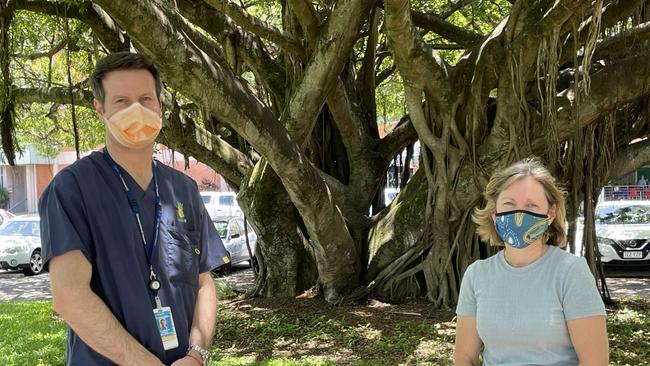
(166, 328)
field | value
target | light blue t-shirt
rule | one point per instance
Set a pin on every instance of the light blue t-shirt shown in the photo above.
(521, 312)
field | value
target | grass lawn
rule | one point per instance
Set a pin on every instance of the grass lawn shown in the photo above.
(309, 332)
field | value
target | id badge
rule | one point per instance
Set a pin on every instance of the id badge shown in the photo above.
(166, 328)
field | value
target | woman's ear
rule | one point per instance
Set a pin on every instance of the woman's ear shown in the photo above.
(551, 213)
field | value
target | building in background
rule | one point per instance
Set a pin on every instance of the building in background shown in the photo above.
(27, 180)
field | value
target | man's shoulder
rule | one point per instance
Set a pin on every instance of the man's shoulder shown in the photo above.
(82, 166)
(75, 172)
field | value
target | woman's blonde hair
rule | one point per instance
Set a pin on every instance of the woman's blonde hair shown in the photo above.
(530, 167)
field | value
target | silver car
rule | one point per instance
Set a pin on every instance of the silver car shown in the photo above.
(233, 236)
(623, 232)
(20, 245)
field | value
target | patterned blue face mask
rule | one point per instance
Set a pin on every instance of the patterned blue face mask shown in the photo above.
(520, 228)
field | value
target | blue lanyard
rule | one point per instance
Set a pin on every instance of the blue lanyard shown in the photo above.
(154, 284)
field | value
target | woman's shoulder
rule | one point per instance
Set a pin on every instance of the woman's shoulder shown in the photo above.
(482, 266)
(563, 259)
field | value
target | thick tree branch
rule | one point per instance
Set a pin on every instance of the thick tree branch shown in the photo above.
(437, 24)
(357, 142)
(322, 72)
(613, 13)
(614, 85)
(59, 95)
(87, 12)
(384, 74)
(183, 134)
(459, 4)
(401, 136)
(632, 39)
(420, 68)
(306, 14)
(36, 55)
(247, 47)
(262, 29)
(629, 159)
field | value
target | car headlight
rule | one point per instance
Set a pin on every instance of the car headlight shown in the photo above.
(606, 245)
(12, 248)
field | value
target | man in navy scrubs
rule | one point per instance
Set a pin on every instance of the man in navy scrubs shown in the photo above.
(127, 240)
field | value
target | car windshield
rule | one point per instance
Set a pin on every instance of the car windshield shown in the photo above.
(22, 228)
(632, 214)
(222, 228)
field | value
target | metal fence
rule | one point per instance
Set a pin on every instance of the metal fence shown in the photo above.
(626, 192)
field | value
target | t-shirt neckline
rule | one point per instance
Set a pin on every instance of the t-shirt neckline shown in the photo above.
(502, 260)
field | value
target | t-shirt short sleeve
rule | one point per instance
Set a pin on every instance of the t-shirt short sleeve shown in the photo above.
(467, 296)
(581, 298)
(213, 252)
(64, 226)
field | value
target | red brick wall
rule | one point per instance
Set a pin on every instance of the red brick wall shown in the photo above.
(43, 177)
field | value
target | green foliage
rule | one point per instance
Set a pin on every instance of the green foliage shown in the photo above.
(4, 198)
(224, 290)
(48, 126)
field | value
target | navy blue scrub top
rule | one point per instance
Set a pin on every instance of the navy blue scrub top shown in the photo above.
(85, 208)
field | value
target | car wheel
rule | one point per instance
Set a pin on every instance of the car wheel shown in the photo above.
(35, 264)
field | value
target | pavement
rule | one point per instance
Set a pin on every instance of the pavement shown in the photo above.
(14, 286)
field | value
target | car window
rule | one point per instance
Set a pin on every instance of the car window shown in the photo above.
(234, 229)
(222, 228)
(206, 199)
(226, 200)
(23, 228)
(241, 227)
(632, 214)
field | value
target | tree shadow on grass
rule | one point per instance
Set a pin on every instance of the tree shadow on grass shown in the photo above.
(299, 329)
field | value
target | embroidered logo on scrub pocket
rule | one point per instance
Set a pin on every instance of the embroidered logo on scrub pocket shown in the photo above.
(180, 213)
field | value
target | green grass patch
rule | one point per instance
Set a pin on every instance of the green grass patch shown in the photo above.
(628, 328)
(309, 332)
(31, 334)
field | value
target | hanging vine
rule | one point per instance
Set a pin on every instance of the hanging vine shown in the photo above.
(75, 129)
(7, 100)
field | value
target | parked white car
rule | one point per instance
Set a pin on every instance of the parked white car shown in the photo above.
(623, 232)
(233, 236)
(20, 245)
(221, 205)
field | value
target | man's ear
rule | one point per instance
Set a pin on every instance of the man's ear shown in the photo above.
(99, 108)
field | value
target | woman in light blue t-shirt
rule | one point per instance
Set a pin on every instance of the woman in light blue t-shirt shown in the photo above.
(532, 303)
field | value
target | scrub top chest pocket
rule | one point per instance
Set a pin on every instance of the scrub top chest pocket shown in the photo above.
(183, 254)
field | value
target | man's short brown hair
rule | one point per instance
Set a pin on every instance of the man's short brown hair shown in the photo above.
(122, 61)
